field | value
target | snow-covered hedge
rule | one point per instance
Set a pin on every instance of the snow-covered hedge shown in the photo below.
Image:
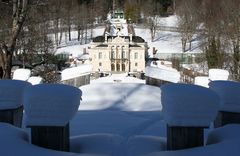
(11, 93)
(74, 72)
(163, 73)
(228, 92)
(188, 105)
(21, 74)
(51, 104)
(218, 74)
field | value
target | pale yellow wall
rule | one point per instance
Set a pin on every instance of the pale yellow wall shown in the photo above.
(106, 55)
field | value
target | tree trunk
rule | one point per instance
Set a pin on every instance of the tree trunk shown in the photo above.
(86, 33)
(20, 9)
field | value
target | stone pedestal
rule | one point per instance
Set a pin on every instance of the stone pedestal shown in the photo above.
(55, 138)
(223, 118)
(12, 116)
(184, 137)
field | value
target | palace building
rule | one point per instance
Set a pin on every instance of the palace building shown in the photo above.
(118, 53)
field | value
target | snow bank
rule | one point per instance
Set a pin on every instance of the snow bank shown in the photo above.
(141, 145)
(189, 105)
(121, 97)
(11, 92)
(221, 142)
(228, 132)
(218, 74)
(21, 74)
(170, 21)
(104, 144)
(34, 80)
(163, 73)
(118, 79)
(228, 92)
(74, 72)
(51, 104)
(14, 141)
(202, 81)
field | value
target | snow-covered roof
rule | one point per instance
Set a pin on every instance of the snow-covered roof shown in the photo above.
(189, 105)
(74, 72)
(228, 92)
(164, 73)
(21, 74)
(11, 92)
(218, 74)
(51, 104)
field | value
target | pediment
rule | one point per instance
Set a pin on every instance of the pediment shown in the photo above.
(118, 40)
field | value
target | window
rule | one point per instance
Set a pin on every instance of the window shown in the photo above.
(123, 55)
(135, 56)
(123, 67)
(113, 54)
(100, 64)
(100, 55)
(136, 64)
(113, 67)
(118, 67)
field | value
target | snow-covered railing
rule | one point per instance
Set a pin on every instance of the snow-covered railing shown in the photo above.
(49, 108)
(218, 74)
(11, 101)
(160, 75)
(77, 76)
(187, 109)
(34, 80)
(21, 74)
(202, 81)
(229, 111)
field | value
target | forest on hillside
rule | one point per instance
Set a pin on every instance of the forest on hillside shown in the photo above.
(25, 26)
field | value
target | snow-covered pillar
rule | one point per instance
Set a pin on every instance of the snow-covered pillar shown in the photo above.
(106, 36)
(49, 108)
(131, 37)
(11, 104)
(187, 110)
(229, 112)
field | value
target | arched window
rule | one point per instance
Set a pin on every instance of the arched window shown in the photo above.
(118, 67)
(112, 67)
(113, 55)
(123, 67)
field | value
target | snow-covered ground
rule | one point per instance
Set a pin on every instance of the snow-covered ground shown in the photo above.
(116, 119)
(165, 42)
(121, 116)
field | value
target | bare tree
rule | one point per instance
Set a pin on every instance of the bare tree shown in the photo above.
(7, 48)
(187, 21)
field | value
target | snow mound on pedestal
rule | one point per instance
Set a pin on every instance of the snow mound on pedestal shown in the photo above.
(11, 92)
(228, 92)
(21, 74)
(74, 72)
(218, 74)
(51, 104)
(163, 73)
(34, 80)
(189, 105)
(202, 81)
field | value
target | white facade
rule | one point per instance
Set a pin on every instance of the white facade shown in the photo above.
(118, 53)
